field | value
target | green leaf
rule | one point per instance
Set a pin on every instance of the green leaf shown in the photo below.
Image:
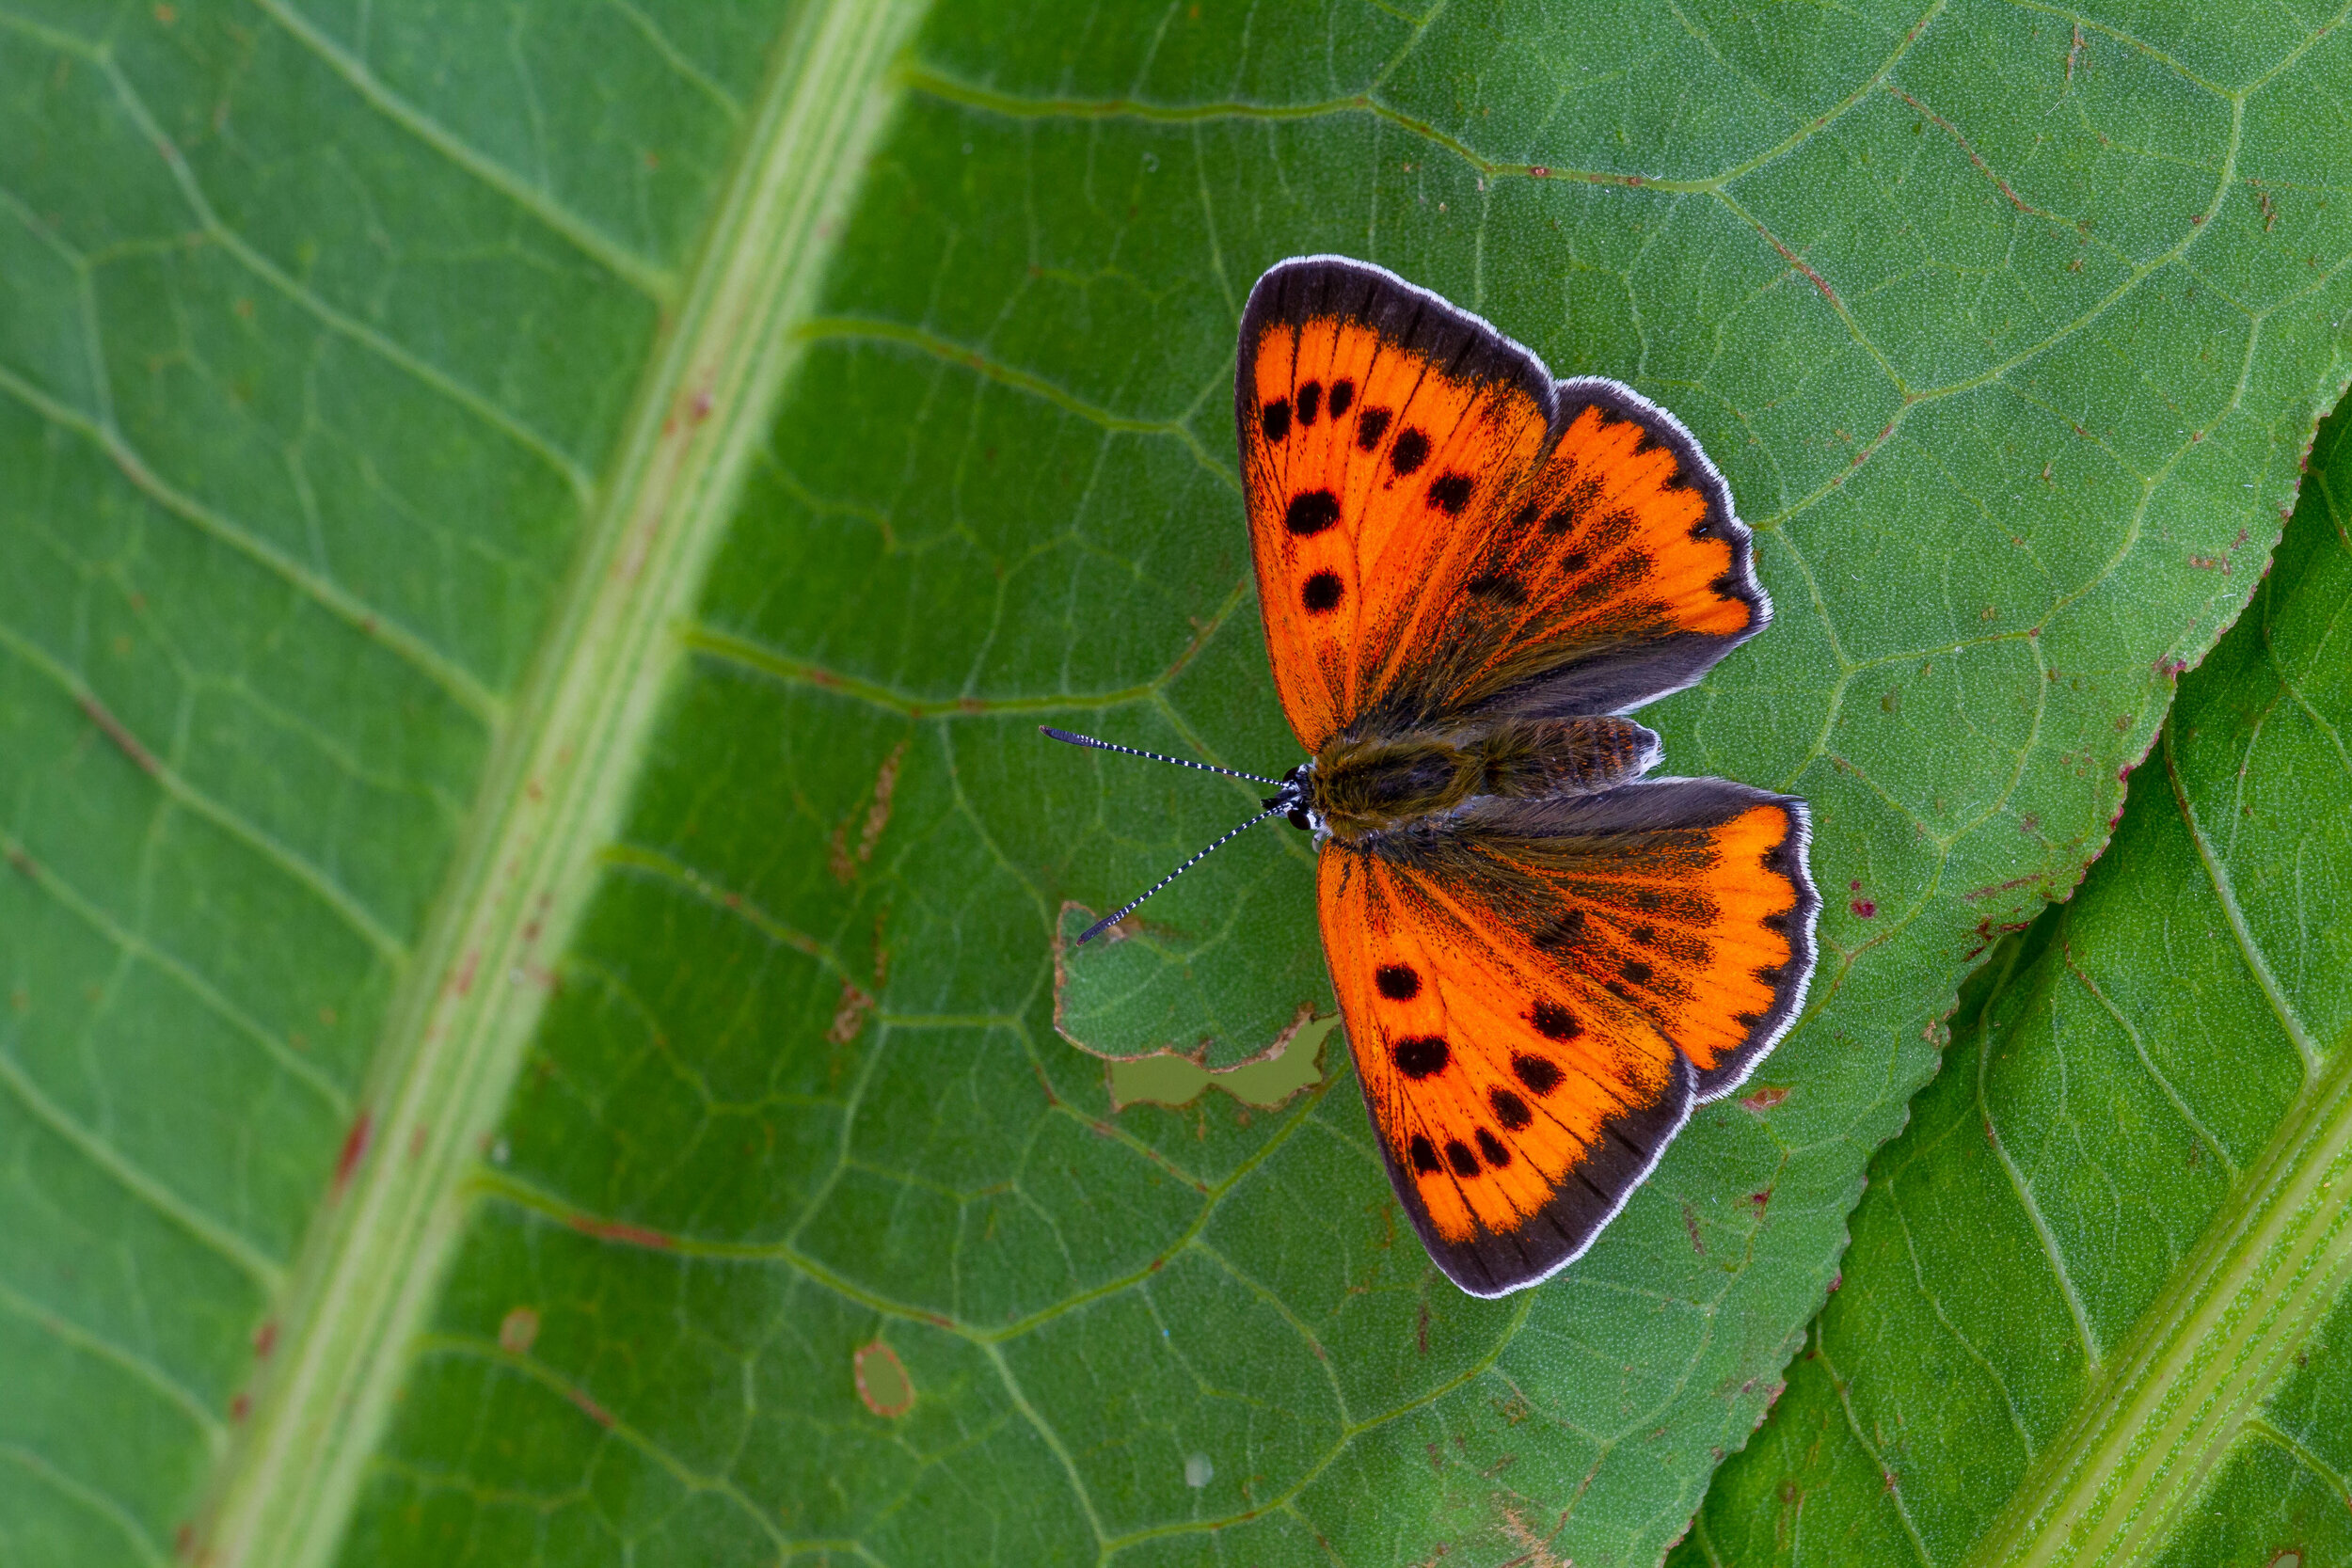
(2098, 1309)
(532, 546)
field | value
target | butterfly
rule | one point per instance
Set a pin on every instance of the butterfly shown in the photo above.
(1470, 573)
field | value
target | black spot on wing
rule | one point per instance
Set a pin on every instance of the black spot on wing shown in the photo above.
(1448, 493)
(1371, 425)
(1343, 393)
(1309, 402)
(1497, 588)
(1397, 982)
(1410, 451)
(1419, 1057)
(1310, 511)
(1555, 1023)
(1323, 593)
(1539, 1073)
(1275, 419)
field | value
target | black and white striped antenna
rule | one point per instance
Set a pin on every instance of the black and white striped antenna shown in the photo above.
(1281, 805)
(1068, 738)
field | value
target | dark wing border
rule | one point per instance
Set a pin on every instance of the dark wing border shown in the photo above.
(1465, 346)
(1595, 1193)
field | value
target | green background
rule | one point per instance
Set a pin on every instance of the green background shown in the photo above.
(326, 337)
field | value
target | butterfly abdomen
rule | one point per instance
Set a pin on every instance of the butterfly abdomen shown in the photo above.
(1531, 759)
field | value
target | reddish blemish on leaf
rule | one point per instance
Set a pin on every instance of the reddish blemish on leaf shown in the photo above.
(240, 1406)
(1763, 1100)
(1864, 909)
(597, 1413)
(518, 1330)
(849, 1017)
(883, 1381)
(265, 1339)
(844, 861)
(355, 1149)
(620, 1231)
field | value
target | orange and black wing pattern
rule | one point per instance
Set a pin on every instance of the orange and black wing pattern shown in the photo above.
(1439, 528)
(1536, 993)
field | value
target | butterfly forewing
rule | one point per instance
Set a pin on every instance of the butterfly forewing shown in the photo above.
(1438, 526)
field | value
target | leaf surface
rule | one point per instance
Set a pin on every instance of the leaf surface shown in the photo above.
(530, 949)
(2099, 1300)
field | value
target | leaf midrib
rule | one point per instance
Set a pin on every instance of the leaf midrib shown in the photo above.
(2207, 1350)
(552, 796)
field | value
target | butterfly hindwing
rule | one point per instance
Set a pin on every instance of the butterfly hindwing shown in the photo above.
(1538, 993)
(1438, 527)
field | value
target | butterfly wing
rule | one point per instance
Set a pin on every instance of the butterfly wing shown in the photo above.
(1438, 527)
(1538, 992)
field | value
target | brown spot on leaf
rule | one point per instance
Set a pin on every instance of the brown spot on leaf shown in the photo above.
(355, 1149)
(518, 1330)
(849, 1016)
(844, 861)
(883, 1383)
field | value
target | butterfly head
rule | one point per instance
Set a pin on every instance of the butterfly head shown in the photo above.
(1296, 800)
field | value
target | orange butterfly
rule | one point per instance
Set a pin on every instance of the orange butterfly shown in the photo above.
(1470, 573)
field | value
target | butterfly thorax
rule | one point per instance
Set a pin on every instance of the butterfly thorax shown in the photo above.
(1374, 778)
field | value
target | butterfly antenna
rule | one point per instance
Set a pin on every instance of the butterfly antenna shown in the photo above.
(1111, 920)
(1070, 739)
